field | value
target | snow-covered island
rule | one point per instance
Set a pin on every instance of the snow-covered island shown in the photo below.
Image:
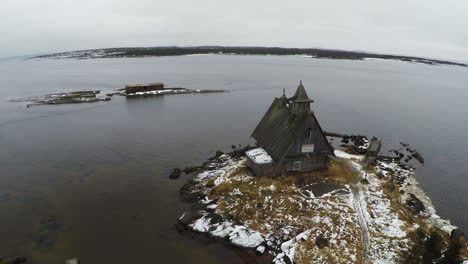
(345, 214)
(306, 196)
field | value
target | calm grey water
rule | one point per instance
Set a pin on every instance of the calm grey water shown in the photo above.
(101, 169)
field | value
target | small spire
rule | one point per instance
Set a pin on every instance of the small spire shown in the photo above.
(300, 82)
(301, 96)
(284, 92)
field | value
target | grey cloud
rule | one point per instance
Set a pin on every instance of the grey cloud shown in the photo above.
(428, 28)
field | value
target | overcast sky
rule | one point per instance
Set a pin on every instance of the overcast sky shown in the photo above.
(431, 28)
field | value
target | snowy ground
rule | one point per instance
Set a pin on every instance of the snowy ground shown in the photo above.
(277, 216)
(387, 225)
(359, 221)
(165, 91)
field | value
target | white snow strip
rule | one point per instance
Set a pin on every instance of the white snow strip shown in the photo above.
(344, 155)
(245, 237)
(202, 224)
(259, 156)
(261, 249)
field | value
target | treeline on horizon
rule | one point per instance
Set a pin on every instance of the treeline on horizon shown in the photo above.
(319, 53)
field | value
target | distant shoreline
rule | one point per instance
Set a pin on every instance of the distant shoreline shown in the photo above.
(225, 50)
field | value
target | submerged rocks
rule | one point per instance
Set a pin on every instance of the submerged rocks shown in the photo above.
(353, 144)
(189, 217)
(415, 205)
(188, 170)
(189, 191)
(175, 174)
(64, 98)
(418, 157)
(12, 260)
(48, 232)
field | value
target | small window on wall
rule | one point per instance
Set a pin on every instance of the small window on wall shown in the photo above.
(297, 165)
(307, 148)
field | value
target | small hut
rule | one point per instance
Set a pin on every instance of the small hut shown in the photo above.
(290, 138)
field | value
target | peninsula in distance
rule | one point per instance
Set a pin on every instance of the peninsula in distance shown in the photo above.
(242, 50)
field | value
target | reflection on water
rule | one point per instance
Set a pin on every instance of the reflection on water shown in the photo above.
(99, 171)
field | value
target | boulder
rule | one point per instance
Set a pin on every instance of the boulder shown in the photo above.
(12, 260)
(188, 192)
(237, 153)
(418, 157)
(175, 174)
(456, 234)
(218, 153)
(215, 218)
(189, 216)
(321, 242)
(73, 261)
(415, 205)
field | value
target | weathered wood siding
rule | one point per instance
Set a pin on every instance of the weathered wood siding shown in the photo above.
(310, 135)
(312, 162)
(308, 163)
(262, 169)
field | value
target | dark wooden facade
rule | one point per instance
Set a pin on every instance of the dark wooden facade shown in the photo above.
(262, 169)
(292, 136)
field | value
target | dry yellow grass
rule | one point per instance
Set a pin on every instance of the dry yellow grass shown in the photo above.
(276, 205)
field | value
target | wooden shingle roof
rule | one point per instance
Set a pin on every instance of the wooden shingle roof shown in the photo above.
(300, 96)
(279, 127)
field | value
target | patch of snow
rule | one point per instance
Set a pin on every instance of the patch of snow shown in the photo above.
(259, 156)
(344, 155)
(237, 234)
(201, 224)
(205, 200)
(289, 247)
(261, 249)
(219, 180)
(236, 191)
(245, 237)
(212, 206)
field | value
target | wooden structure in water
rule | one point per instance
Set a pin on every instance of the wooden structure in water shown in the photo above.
(135, 88)
(290, 138)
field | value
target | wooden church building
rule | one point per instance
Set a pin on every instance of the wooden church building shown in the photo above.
(290, 138)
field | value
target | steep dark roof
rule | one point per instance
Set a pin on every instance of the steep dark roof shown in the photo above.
(273, 133)
(300, 96)
(279, 128)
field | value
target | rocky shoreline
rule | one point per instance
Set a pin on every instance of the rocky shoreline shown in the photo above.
(92, 96)
(394, 209)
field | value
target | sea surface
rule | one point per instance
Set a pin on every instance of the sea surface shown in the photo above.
(91, 180)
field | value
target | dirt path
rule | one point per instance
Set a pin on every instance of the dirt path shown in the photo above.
(360, 212)
(362, 221)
